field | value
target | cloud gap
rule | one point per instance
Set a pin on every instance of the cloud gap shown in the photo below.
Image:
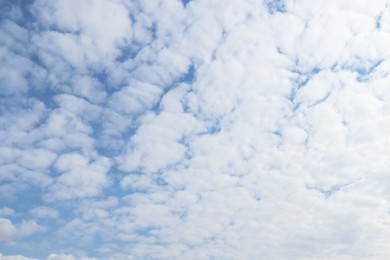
(276, 6)
(187, 78)
(185, 2)
(365, 71)
(378, 22)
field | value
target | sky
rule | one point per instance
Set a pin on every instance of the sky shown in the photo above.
(194, 129)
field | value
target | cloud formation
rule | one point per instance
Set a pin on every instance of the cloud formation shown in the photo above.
(9, 231)
(194, 129)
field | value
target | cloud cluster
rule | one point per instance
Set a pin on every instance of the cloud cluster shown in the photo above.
(9, 231)
(50, 257)
(194, 129)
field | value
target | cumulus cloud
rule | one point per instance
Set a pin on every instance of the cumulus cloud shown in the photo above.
(67, 257)
(107, 27)
(79, 177)
(44, 212)
(10, 231)
(15, 257)
(157, 134)
(6, 211)
(195, 129)
(50, 257)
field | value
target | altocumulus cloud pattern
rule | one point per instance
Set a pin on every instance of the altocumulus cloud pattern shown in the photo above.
(203, 129)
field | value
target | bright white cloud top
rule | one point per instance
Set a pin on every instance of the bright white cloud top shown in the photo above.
(202, 129)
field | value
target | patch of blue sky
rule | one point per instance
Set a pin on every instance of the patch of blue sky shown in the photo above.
(23, 247)
(364, 71)
(91, 242)
(276, 6)
(33, 197)
(277, 133)
(25, 196)
(378, 22)
(303, 77)
(159, 179)
(321, 100)
(111, 139)
(188, 77)
(362, 67)
(51, 226)
(103, 77)
(185, 2)
(110, 145)
(146, 231)
(181, 213)
(291, 97)
(7, 6)
(60, 246)
(129, 53)
(330, 191)
(213, 126)
(257, 196)
(22, 204)
(44, 95)
(327, 193)
(300, 81)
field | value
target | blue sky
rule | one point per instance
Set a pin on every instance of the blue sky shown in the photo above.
(194, 129)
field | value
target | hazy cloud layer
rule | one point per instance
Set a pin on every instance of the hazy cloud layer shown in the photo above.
(194, 129)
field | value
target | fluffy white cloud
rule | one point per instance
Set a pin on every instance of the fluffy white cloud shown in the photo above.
(15, 257)
(44, 212)
(101, 33)
(37, 159)
(158, 143)
(9, 231)
(50, 257)
(79, 177)
(202, 129)
(67, 257)
(6, 211)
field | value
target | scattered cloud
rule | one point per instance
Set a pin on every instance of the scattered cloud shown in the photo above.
(15, 257)
(10, 231)
(6, 211)
(194, 129)
(50, 257)
(67, 257)
(44, 212)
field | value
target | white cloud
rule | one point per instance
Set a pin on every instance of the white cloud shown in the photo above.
(157, 143)
(101, 33)
(19, 121)
(44, 212)
(50, 257)
(209, 130)
(62, 130)
(37, 159)
(10, 231)
(78, 106)
(79, 177)
(89, 88)
(6, 211)
(66, 46)
(135, 98)
(15, 257)
(12, 74)
(67, 257)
